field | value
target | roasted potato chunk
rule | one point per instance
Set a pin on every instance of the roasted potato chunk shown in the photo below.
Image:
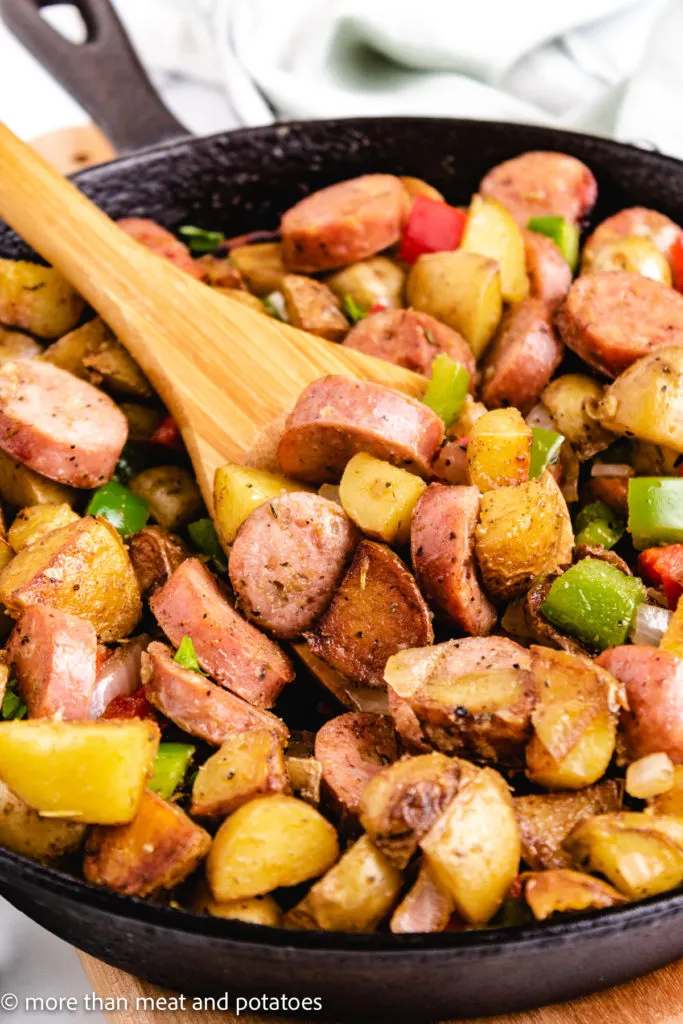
(15, 345)
(171, 493)
(572, 400)
(402, 802)
(305, 778)
(372, 281)
(23, 831)
(646, 400)
(563, 891)
(640, 854)
(238, 490)
(92, 353)
(247, 765)
(650, 776)
(159, 848)
(354, 896)
(257, 910)
(379, 497)
(635, 253)
(473, 849)
(142, 420)
(523, 532)
(35, 521)
(426, 907)
(313, 307)
(82, 568)
(417, 187)
(220, 271)
(499, 452)
(492, 232)
(155, 555)
(260, 265)
(88, 772)
(37, 299)
(22, 486)
(270, 842)
(670, 802)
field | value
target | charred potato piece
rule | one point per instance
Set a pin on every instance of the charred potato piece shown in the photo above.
(238, 490)
(34, 521)
(37, 299)
(220, 271)
(523, 532)
(246, 765)
(257, 910)
(260, 265)
(155, 555)
(22, 486)
(646, 400)
(82, 568)
(402, 802)
(92, 353)
(379, 497)
(572, 400)
(270, 842)
(369, 282)
(563, 891)
(313, 307)
(499, 452)
(473, 849)
(426, 907)
(15, 345)
(171, 493)
(158, 849)
(23, 831)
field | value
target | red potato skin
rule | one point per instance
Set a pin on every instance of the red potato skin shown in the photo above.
(287, 559)
(612, 318)
(161, 242)
(410, 339)
(58, 425)
(228, 647)
(635, 221)
(538, 184)
(653, 680)
(336, 417)
(522, 358)
(197, 705)
(343, 223)
(442, 551)
(54, 656)
(549, 274)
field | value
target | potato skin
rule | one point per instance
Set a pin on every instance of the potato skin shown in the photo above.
(23, 831)
(171, 492)
(159, 848)
(92, 353)
(257, 910)
(499, 451)
(247, 765)
(646, 400)
(37, 299)
(22, 486)
(260, 265)
(561, 891)
(82, 568)
(375, 280)
(313, 307)
(34, 521)
(572, 401)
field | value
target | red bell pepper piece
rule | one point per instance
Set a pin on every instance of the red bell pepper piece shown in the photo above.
(676, 256)
(379, 307)
(134, 706)
(168, 434)
(663, 567)
(432, 227)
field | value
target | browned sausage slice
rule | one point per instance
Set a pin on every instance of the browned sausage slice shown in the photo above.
(376, 611)
(612, 318)
(58, 425)
(336, 417)
(343, 223)
(197, 705)
(411, 339)
(161, 242)
(549, 273)
(539, 184)
(352, 748)
(287, 559)
(228, 647)
(522, 358)
(442, 551)
(54, 655)
(636, 221)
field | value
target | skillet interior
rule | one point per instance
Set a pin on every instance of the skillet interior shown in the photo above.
(238, 182)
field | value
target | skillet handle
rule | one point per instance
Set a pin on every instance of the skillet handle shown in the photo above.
(103, 74)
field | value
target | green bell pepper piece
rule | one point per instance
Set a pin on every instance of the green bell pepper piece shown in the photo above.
(199, 241)
(564, 235)
(13, 707)
(170, 768)
(655, 510)
(447, 390)
(186, 656)
(597, 523)
(594, 602)
(203, 535)
(352, 310)
(545, 450)
(119, 506)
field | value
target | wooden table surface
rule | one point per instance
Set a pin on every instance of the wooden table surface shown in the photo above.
(655, 999)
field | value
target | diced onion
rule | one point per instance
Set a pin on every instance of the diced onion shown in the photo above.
(540, 417)
(120, 675)
(649, 776)
(407, 671)
(621, 469)
(650, 624)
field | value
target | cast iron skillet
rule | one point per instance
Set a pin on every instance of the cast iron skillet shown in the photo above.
(237, 182)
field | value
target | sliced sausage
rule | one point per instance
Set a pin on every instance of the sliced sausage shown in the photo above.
(523, 357)
(635, 221)
(155, 555)
(58, 425)
(54, 655)
(227, 646)
(450, 462)
(549, 273)
(195, 704)
(612, 318)
(352, 748)
(411, 339)
(287, 559)
(540, 184)
(442, 551)
(161, 242)
(343, 223)
(653, 680)
(335, 417)
(376, 611)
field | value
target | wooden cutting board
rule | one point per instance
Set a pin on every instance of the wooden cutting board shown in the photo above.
(655, 999)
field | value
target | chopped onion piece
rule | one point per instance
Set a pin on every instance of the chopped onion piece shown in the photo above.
(620, 469)
(120, 674)
(540, 417)
(649, 776)
(407, 671)
(650, 624)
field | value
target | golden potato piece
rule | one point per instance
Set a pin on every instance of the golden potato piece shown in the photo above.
(646, 400)
(671, 802)
(426, 907)
(368, 282)
(171, 493)
(474, 847)
(257, 910)
(564, 891)
(417, 187)
(499, 452)
(82, 568)
(37, 299)
(635, 253)
(22, 486)
(650, 776)
(313, 307)
(15, 345)
(246, 765)
(492, 232)
(270, 842)
(88, 772)
(34, 521)
(260, 265)
(92, 353)
(159, 848)
(238, 490)
(379, 497)
(305, 778)
(23, 831)
(572, 400)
